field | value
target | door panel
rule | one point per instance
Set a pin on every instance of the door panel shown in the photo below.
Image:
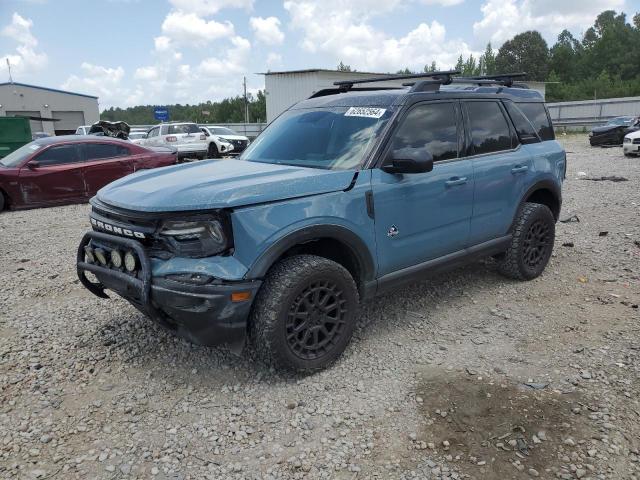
(500, 167)
(104, 163)
(500, 184)
(58, 178)
(422, 216)
(430, 212)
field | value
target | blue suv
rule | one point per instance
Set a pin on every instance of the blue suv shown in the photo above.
(346, 195)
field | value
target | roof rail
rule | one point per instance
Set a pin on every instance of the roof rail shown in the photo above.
(443, 77)
(504, 79)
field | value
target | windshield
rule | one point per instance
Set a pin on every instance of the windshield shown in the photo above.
(188, 128)
(222, 131)
(621, 121)
(329, 138)
(17, 156)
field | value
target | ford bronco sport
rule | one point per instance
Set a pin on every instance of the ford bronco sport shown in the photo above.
(346, 195)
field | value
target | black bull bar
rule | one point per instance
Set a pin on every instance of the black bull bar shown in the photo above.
(140, 284)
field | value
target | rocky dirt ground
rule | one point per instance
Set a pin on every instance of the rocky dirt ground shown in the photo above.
(468, 375)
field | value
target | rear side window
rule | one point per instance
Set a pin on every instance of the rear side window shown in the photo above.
(489, 128)
(432, 127)
(526, 131)
(97, 151)
(537, 115)
(188, 128)
(59, 155)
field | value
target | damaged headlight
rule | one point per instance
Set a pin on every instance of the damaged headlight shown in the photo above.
(195, 238)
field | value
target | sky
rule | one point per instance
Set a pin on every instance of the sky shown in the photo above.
(157, 52)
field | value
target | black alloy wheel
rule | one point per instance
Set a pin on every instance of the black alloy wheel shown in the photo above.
(316, 320)
(536, 244)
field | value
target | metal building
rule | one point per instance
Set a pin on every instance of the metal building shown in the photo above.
(68, 108)
(283, 89)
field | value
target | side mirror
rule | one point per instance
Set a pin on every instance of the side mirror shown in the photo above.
(33, 164)
(408, 160)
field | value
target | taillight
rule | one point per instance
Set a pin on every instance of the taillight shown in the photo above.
(203, 137)
(171, 138)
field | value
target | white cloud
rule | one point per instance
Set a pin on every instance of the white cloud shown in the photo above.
(104, 82)
(26, 59)
(274, 59)
(444, 3)
(209, 7)
(345, 32)
(267, 30)
(502, 19)
(162, 43)
(189, 28)
(233, 62)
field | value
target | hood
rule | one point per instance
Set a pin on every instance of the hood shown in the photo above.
(232, 137)
(635, 134)
(607, 128)
(211, 184)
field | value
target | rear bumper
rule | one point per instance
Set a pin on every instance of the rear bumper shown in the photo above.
(203, 314)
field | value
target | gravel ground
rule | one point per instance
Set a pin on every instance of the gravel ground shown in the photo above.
(468, 375)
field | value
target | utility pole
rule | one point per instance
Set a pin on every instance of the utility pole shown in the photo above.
(9, 68)
(246, 102)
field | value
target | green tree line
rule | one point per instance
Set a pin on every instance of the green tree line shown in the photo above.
(604, 63)
(229, 110)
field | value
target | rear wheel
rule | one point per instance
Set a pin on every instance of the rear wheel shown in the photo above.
(304, 314)
(531, 244)
(212, 151)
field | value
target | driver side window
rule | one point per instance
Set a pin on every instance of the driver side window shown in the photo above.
(432, 127)
(59, 155)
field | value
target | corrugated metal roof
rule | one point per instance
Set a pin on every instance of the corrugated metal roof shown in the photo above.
(48, 89)
(313, 70)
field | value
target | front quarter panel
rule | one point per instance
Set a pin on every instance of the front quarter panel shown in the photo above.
(258, 228)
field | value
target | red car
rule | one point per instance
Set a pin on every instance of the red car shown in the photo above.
(71, 169)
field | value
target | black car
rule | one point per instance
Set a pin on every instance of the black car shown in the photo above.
(613, 132)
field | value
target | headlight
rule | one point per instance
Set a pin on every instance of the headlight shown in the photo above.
(200, 238)
(627, 140)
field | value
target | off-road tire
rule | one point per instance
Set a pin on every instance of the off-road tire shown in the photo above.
(291, 284)
(529, 253)
(212, 151)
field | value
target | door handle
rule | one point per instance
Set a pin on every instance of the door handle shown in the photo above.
(519, 169)
(453, 181)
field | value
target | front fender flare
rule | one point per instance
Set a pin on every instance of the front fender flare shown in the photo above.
(342, 234)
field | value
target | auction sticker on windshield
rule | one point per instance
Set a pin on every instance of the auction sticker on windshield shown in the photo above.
(365, 112)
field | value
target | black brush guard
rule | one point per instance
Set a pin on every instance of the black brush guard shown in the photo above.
(140, 284)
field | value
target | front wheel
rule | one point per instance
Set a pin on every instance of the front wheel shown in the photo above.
(304, 314)
(531, 244)
(212, 151)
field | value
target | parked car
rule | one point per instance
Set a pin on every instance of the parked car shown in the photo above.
(190, 141)
(83, 130)
(614, 131)
(344, 196)
(218, 146)
(239, 142)
(71, 169)
(631, 144)
(137, 137)
(37, 135)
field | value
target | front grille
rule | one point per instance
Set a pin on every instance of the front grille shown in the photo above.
(636, 141)
(239, 145)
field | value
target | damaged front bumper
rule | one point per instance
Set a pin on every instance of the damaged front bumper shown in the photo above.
(209, 314)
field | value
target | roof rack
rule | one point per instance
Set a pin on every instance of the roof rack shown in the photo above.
(443, 78)
(504, 79)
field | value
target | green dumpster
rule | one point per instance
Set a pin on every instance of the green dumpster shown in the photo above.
(14, 133)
